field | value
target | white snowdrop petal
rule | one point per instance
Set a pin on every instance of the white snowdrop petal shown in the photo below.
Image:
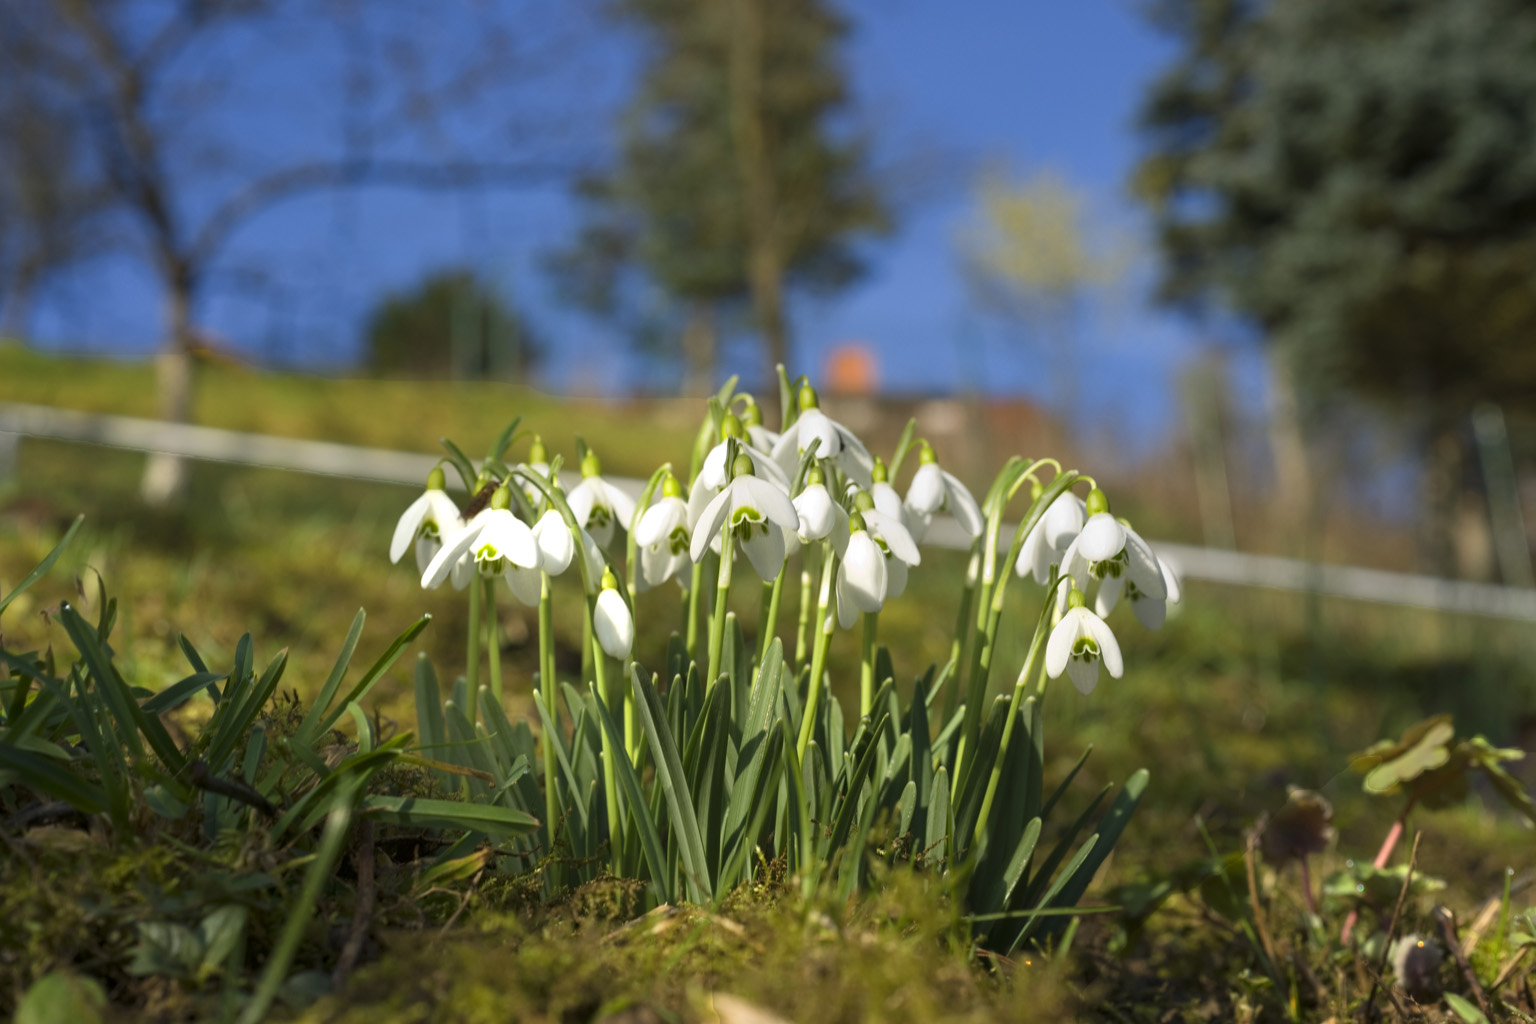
(1029, 554)
(1063, 520)
(766, 553)
(1084, 675)
(1143, 567)
(556, 545)
(962, 505)
(1102, 537)
(408, 526)
(614, 626)
(1110, 592)
(581, 501)
(426, 548)
(708, 526)
(622, 505)
(1109, 647)
(527, 585)
(448, 554)
(762, 438)
(1058, 646)
(865, 572)
(657, 522)
(926, 492)
(767, 498)
(814, 507)
(1171, 582)
(886, 500)
(895, 535)
(847, 611)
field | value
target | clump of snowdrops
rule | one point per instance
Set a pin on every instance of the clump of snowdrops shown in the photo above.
(694, 774)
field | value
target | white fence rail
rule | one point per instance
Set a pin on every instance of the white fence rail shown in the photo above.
(411, 468)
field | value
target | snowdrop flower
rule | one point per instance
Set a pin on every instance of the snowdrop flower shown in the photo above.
(713, 477)
(758, 436)
(597, 504)
(894, 540)
(1078, 643)
(756, 510)
(1099, 551)
(494, 541)
(612, 622)
(1048, 542)
(934, 490)
(862, 575)
(838, 443)
(556, 549)
(885, 496)
(427, 520)
(820, 516)
(662, 536)
(1149, 608)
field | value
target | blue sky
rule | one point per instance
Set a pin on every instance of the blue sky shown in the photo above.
(1029, 85)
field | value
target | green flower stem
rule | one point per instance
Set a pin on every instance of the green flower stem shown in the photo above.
(818, 654)
(957, 647)
(472, 653)
(867, 664)
(610, 772)
(493, 641)
(1042, 630)
(806, 575)
(547, 640)
(694, 591)
(722, 599)
(993, 588)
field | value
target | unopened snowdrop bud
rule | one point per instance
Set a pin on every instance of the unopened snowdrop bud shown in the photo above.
(819, 514)
(883, 494)
(861, 575)
(611, 620)
(598, 505)
(730, 426)
(538, 465)
(1080, 641)
(742, 466)
(427, 521)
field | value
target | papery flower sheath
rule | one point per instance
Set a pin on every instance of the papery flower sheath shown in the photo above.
(1080, 641)
(935, 490)
(598, 505)
(428, 520)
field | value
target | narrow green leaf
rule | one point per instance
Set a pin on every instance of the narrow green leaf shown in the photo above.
(177, 694)
(378, 669)
(309, 727)
(421, 812)
(44, 566)
(42, 774)
(650, 840)
(669, 773)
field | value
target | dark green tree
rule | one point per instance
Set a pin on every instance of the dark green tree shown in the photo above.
(450, 326)
(733, 184)
(1358, 180)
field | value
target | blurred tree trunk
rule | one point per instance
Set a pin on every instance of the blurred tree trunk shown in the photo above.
(765, 257)
(1288, 448)
(165, 475)
(1446, 544)
(699, 351)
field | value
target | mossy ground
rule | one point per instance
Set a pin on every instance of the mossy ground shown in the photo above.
(1237, 697)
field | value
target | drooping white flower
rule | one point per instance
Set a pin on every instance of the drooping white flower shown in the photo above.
(862, 575)
(1100, 551)
(428, 520)
(714, 470)
(612, 623)
(556, 548)
(1046, 545)
(598, 505)
(758, 511)
(838, 443)
(1080, 641)
(494, 541)
(896, 543)
(820, 516)
(662, 536)
(935, 490)
(1133, 584)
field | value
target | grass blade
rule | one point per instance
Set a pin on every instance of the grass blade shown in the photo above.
(674, 785)
(44, 566)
